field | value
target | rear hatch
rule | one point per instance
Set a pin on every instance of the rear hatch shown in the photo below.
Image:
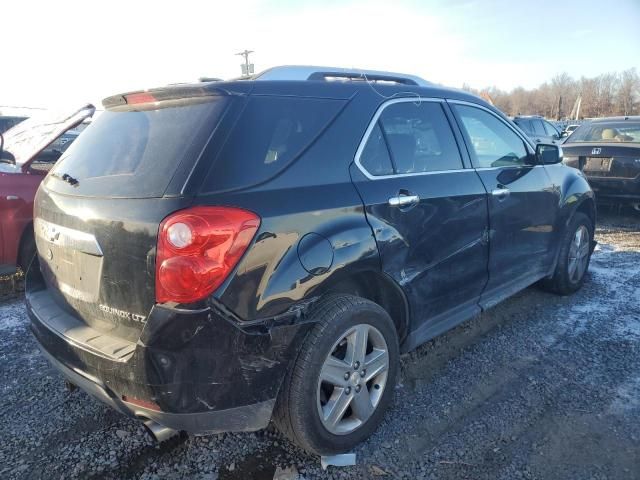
(97, 213)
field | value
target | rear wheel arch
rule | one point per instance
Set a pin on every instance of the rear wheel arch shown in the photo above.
(378, 288)
(26, 247)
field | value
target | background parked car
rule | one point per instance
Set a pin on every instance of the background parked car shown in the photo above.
(538, 129)
(569, 129)
(607, 150)
(25, 159)
(7, 122)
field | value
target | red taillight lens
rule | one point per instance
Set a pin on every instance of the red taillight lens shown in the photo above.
(198, 248)
(140, 97)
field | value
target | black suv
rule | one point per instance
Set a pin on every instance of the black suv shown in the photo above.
(537, 128)
(213, 256)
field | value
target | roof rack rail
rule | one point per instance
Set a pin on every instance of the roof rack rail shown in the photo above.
(296, 72)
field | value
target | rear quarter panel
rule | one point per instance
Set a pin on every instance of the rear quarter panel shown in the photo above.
(313, 195)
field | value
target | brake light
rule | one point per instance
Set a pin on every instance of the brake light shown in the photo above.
(197, 250)
(140, 97)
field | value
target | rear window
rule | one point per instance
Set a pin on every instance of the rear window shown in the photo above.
(271, 133)
(135, 153)
(625, 132)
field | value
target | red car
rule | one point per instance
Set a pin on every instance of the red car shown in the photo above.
(24, 162)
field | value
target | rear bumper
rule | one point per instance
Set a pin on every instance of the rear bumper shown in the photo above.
(244, 418)
(194, 371)
(619, 189)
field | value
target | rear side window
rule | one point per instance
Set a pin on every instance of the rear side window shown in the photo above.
(375, 156)
(418, 137)
(271, 133)
(493, 143)
(136, 153)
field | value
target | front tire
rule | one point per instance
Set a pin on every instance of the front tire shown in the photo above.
(574, 257)
(343, 380)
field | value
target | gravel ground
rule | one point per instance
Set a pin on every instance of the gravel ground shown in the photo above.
(539, 387)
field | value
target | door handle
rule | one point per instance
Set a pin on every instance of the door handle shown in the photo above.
(12, 197)
(501, 193)
(404, 200)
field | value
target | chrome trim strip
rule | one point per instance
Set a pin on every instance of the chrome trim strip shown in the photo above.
(67, 237)
(372, 125)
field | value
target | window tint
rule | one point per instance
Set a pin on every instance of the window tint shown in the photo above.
(538, 129)
(419, 137)
(375, 157)
(271, 132)
(551, 131)
(493, 143)
(525, 125)
(136, 153)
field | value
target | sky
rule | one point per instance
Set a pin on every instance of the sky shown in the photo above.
(61, 53)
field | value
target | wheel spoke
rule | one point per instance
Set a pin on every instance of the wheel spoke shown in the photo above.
(584, 250)
(376, 363)
(336, 406)
(333, 371)
(361, 404)
(357, 346)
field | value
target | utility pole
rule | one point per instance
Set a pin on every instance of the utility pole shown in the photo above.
(247, 68)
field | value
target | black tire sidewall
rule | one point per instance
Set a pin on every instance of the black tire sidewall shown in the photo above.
(317, 436)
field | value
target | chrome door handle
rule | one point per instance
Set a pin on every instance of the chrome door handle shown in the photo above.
(501, 193)
(403, 200)
(12, 197)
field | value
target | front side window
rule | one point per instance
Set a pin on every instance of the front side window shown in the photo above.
(550, 129)
(538, 128)
(418, 137)
(525, 125)
(493, 143)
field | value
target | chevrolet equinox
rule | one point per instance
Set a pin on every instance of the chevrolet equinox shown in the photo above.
(213, 256)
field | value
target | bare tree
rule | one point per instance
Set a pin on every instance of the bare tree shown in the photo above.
(605, 95)
(628, 95)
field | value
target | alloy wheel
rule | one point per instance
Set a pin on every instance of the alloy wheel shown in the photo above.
(579, 254)
(352, 379)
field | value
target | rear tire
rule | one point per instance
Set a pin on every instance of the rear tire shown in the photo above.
(574, 257)
(333, 414)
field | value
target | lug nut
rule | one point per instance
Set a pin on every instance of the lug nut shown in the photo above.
(346, 375)
(363, 373)
(348, 390)
(358, 387)
(356, 365)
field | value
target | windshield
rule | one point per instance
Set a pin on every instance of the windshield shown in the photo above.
(625, 131)
(27, 138)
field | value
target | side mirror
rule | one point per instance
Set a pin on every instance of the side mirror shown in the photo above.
(548, 154)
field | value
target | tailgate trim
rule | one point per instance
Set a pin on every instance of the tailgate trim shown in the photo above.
(67, 237)
(76, 332)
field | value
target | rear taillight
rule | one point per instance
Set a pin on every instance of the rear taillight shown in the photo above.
(197, 250)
